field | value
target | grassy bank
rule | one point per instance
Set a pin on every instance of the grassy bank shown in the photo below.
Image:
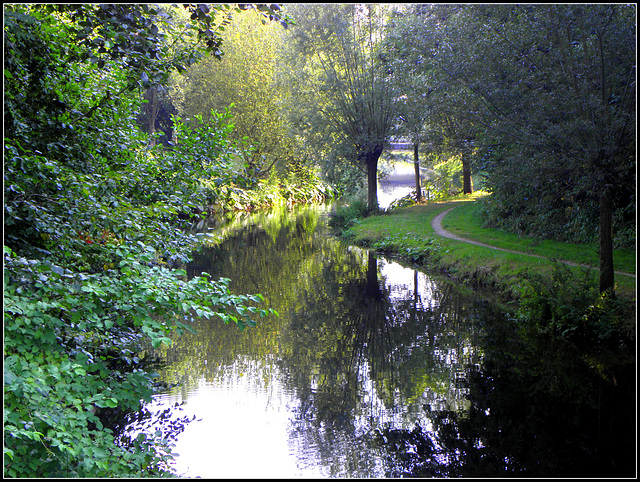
(408, 234)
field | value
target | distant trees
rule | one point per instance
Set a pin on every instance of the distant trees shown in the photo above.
(340, 88)
(432, 110)
(412, 83)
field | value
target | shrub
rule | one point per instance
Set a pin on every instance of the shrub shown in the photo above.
(71, 341)
(405, 201)
(348, 214)
(572, 308)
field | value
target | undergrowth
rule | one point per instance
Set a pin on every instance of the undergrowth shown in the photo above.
(570, 306)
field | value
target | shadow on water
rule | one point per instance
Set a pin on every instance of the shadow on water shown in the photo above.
(373, 369)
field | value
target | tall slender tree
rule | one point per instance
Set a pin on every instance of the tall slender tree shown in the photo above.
(433, 110)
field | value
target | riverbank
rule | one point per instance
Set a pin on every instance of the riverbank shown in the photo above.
(500, 262)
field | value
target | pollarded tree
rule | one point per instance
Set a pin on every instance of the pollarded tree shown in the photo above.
(341, 91)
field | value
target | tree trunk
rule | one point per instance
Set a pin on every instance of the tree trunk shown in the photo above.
(606, 240)
(467, 184)
(416, 166)
(373, 288)
(152, 111)
(371, 161)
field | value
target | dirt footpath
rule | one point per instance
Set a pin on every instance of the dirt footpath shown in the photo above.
(437, 227)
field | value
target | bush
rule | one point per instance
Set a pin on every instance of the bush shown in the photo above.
(572, 308)
(448, 179)
(71, 341)
(348, 214)
(405, 201)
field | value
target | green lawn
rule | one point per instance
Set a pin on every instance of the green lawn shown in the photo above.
(407, 232)
(465, 221)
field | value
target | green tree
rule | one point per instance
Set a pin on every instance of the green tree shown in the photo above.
(433, 111)
(555, 84)
(343, 96)
(244, 77)
(413, 82)
(93, 227)
(413, 114)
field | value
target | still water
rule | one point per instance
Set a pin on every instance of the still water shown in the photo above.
(398, 181)
(373, 369)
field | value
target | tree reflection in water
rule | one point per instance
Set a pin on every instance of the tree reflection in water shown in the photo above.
(385, 371)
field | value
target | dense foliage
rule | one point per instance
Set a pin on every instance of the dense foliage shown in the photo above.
(244, 77)
(95, 220)
(546, 94)
(570, 306)
(540, 98)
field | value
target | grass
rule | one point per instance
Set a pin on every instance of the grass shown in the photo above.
(465, 221)
(408, 234)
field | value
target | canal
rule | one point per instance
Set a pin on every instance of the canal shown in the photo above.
(375, 369)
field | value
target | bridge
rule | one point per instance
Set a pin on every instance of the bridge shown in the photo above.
(400, 145)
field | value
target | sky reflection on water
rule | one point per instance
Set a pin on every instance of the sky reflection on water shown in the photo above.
(249, 425)
(376, 370)
(240, 431)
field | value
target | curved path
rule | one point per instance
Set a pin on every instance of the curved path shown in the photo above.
(437, 227)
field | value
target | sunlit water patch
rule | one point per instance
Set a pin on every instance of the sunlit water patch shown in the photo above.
(397, 183)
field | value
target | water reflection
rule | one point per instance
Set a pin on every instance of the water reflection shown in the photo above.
(374, 370)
